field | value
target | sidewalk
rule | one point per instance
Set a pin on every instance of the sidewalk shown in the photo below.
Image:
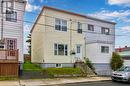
(37, 82)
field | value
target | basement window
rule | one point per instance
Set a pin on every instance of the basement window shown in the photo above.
(58, 65)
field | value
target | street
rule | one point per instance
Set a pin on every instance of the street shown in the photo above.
(104, 83)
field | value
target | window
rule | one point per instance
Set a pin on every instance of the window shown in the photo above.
(78, 48)
(105, 31)
(104, 49)
(90, 27)
(11, 44)
(60, 24)
(7, 5)
(60, 49)
(79, 27)
(11, 16)
(58, 65)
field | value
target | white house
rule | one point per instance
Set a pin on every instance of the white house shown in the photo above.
(56, 33)
(11, 27)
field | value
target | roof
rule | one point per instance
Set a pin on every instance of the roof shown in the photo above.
(123, 49)
(68, 12)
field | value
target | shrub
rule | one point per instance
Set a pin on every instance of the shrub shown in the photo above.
(116, 61)
(89, 63)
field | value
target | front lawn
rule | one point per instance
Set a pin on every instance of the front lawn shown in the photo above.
(35, 71)
(30, 66)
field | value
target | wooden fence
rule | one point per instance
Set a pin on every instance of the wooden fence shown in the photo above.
(8, 69)
(9, 65)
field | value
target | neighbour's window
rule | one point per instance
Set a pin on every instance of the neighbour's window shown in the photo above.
(7, 5)
(104, 49)
(105, 31)
(60, 49)
(11, 16)
(90, 27)
(60, 24)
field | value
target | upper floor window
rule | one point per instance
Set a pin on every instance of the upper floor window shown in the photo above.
(104, 49)
(90, 27)
(79, 27)
(60, 24)
(60, 49)
(7, 5)
(105, 31)
(11, 16)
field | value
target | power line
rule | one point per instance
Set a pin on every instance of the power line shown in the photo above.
(54, 26)
(67, 28)
(68, 19)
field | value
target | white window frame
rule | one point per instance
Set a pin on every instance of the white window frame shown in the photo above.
(59, 65)
(78, 49)
(11, 16)
(105, 30)
(106, 49)
(79, 27)
(90, 27)
(56, 50)
(62, 23)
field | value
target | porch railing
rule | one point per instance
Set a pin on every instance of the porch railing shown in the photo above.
(8, 55)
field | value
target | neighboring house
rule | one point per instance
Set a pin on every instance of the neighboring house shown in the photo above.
(60, 38)
(12, 13)
(125, 54)
(100, 44)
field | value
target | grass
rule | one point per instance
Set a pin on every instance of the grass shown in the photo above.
(30, 66)
(63, 71)
(51, 72)
(8, 78)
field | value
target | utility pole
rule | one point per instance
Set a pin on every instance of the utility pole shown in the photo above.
(1, 40)
(85, 46)
(71, 40)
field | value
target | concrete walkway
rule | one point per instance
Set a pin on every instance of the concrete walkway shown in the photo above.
(37, 82)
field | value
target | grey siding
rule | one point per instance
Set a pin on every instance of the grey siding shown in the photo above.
(102, 68)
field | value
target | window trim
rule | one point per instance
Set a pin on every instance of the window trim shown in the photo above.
(79, 28)
(90, 25)
(58, 65)
(56, 50)
(9, 14)
(61, 24)
(105, 33)
(105, 48)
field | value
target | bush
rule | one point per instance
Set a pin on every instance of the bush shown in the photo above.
(89, 64)
(116, 61)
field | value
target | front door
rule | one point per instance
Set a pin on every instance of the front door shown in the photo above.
(79, 52)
